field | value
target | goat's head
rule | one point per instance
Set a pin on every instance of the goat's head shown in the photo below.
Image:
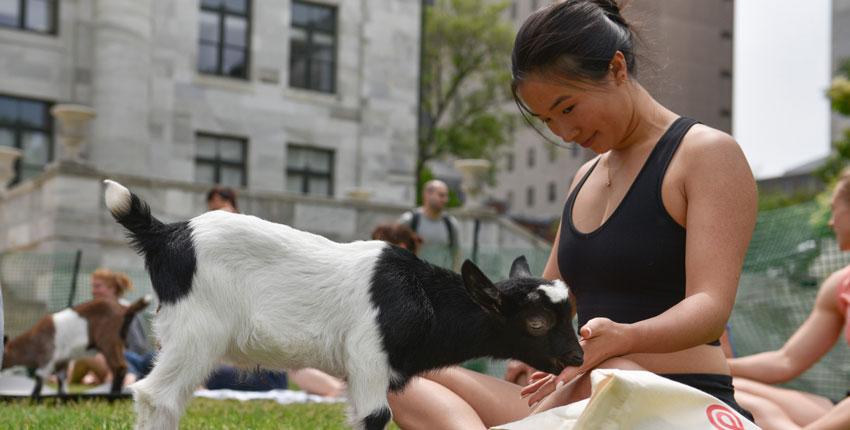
(535, 316)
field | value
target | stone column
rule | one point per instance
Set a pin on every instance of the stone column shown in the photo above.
(120, 86)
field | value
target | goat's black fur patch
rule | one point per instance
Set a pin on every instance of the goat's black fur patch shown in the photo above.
(167, 248)
(378, 419)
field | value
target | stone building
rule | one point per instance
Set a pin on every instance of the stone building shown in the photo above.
(309, 109)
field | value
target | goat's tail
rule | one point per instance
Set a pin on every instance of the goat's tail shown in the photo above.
(135, 215)
(167, 248)
(131, 312)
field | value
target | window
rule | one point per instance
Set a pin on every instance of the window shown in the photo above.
(312, 47)
(309, 170)
(574, 150)
(33, 15)
(510, 199)
(224, 36)
(220, 160)
(529, 197)
(531, 157)
(509, 162)
(534, 5)
(27, 126)
(513, 10)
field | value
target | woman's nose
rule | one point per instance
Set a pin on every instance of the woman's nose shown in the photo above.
(564, 131)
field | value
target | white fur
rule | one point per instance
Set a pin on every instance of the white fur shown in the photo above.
(117, 197)
(267, 294)
(557, 293)
(70, 341)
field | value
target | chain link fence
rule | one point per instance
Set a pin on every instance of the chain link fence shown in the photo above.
(786, 263)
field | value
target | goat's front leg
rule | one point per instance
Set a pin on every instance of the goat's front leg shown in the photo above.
(368, 384)
(61, 377)
(36, 391)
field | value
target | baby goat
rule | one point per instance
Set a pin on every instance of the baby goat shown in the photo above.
(251, 292)
(98, 325)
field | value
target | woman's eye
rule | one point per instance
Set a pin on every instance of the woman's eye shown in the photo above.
(569, 109)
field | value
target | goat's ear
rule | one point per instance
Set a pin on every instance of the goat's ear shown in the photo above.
(519, 269)
(481, 289)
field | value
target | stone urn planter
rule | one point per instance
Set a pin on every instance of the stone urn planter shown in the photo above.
(473, 175)
(360, 194)
(8, 156)
(73, 119)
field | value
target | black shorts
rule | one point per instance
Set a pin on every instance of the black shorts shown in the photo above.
(719, 386)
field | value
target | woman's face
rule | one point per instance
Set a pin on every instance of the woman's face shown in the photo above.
(840, 221)
(101, 289)
(592, 117)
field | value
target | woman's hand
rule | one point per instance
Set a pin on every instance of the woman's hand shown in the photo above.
(601, 339)
(518, 372)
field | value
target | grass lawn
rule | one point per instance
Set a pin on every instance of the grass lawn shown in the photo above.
(201, 414)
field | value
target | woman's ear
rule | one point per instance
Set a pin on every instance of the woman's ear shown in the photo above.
(619, 68)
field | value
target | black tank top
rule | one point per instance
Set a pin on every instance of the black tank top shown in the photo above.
(632, 267)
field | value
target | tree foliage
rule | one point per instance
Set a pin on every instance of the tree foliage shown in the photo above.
(839, 96)
(465, 80)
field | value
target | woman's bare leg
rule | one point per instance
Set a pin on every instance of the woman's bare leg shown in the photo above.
(801, 407)
(457, 398)
(766, 414)
(315, 381)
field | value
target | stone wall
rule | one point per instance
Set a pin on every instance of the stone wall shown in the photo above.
(63, 210)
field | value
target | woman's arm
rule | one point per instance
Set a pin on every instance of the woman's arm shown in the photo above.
(805, 347)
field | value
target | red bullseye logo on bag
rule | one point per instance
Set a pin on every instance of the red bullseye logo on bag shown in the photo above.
(723, 419)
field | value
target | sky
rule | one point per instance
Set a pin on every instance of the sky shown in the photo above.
(782, 70)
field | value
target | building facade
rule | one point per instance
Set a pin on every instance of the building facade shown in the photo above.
(307, 109)
(684, 58)
(310, 97)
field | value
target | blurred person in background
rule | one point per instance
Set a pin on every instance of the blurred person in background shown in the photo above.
(439, 230)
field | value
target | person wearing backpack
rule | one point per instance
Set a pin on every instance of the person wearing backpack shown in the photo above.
(438, 229)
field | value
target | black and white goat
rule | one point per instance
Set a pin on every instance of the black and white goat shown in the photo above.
(252, 292)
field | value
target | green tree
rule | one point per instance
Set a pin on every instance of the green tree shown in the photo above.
(839, 96)
(465, 81)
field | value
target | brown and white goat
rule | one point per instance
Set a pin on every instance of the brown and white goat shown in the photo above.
(98, 325)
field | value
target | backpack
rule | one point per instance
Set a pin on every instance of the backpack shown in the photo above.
(414, 224)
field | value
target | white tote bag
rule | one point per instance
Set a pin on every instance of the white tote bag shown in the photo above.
(638, 400)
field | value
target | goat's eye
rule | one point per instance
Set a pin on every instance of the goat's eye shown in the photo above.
(536, 325)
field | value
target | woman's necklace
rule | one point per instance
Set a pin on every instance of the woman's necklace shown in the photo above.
(608, 170)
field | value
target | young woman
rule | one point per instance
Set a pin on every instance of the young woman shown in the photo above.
(780, 408)
(652, 237)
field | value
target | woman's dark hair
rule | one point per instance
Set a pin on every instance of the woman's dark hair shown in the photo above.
(572, 40)
(225, 193)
